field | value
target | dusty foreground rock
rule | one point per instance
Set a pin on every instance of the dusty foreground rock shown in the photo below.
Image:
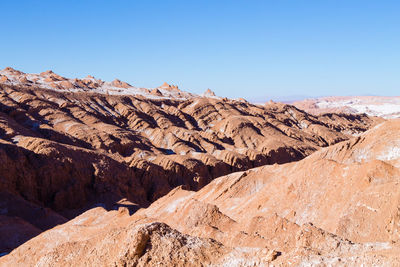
(339, 206)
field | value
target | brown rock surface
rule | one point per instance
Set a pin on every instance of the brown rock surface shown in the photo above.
(118, 83)
(63, 152)
(208, 92)
(154, 145)
(156, 92)
(3, 78)
(115, 239)
(339, 206)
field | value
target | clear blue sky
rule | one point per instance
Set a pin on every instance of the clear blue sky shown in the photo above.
(251, 49)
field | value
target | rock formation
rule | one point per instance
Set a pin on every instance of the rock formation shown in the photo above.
(338, 206)
(208, 93)
(170, 177)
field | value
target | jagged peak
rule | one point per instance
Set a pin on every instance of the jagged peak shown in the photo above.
(50, 80)
(12, 71)
(169, 87)
(46, 73)
(9, 69)
(165, 85)
(209, 92)
(121, 84)
(156, 92)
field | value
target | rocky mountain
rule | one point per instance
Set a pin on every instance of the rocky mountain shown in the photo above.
(339, 206)
(383, 106)
(53, 81)
(70, 145)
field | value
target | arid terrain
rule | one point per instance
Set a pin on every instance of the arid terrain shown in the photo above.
(383, 106)
(96, 173)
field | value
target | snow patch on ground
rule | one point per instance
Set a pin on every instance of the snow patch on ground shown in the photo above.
(378, 245)
(361, 155)
(391, 153)
(174, 204)
(15, 139)
(386, 107)
(367, 207)
(303, 125)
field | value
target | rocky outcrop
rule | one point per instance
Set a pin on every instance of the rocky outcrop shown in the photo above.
(339, 206)
(118, 83)
(209, 93)
(146, 147)
(130, 243)
(347, 193)
(66, 151)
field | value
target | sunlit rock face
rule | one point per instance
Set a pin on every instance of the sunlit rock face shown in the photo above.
(72, 145)
(338, 206)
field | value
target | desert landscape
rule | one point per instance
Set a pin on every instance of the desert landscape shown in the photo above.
(104, 173)
(199, 133)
